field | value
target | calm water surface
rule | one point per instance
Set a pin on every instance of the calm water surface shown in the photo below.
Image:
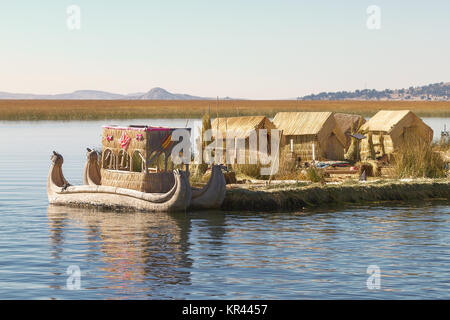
(201, 255)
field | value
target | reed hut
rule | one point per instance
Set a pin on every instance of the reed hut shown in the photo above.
(241, 128)
(390, 129)
(346, 122)
(305, 133)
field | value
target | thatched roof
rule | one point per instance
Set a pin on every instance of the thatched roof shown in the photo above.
(393, 123)
(385, 120)
(301, 123)
(241, 126)
(308, 123)
(346, 121)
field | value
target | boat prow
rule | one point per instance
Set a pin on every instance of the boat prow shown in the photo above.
(91, 174)
(60, 192)
(212, 195)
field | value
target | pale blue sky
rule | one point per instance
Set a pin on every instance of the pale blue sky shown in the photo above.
(250, 49)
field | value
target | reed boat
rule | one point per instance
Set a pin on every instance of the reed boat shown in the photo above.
(133, 174)
(60, 192)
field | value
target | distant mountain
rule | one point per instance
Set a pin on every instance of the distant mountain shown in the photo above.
(161, 94)
(88, 95)
(135, 94)
(432, 92)
(153, 94)
(24, 96)
(76, 95)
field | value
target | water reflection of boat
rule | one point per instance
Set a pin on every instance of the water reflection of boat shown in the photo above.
(136, 251)
(127, 180)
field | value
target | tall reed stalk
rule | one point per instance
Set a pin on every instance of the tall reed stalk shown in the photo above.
(417, 159)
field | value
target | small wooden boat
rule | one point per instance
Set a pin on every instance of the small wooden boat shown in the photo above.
(125, 179)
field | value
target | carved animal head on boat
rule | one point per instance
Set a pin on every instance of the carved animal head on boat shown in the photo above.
(92, 155)
(57, 158)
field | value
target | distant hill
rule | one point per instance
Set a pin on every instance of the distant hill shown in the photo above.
(432, 92)
(88, 95)
(76, 95)
(153, 94)
(162, 94)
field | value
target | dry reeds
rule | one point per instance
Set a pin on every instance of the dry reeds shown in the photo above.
(206, 125)
(371, 168)
(314, 174)
(124, 179)
(349, 124)
(287, 169)
(352, 153)
(139, 181)
(241, 127)
(382, 147)
(250, 170)
(370, 155)
(142, 109)
(418, 159)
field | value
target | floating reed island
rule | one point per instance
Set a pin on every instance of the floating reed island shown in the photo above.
(295, 197)
(341, 158)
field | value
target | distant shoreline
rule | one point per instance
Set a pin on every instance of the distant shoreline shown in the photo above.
(36, 110)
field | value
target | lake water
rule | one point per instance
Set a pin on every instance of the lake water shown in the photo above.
(202, 255)
(438, 125)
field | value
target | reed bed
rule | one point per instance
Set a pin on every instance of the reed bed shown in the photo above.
(15, 110)
(418, 159)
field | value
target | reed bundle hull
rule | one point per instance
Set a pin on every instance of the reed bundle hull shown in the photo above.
(178, 197)
(157, 182)
(60, 192)
(117, 199)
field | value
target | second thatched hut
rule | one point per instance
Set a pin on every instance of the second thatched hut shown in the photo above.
(346, 123)
(311, 135)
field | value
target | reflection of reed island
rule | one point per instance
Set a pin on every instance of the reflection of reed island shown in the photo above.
(135, 247)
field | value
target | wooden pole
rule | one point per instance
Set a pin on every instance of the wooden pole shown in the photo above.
(217, 106)
(314, 152)
(276, 157)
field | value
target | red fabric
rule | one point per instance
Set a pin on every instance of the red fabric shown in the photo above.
(125, 141)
